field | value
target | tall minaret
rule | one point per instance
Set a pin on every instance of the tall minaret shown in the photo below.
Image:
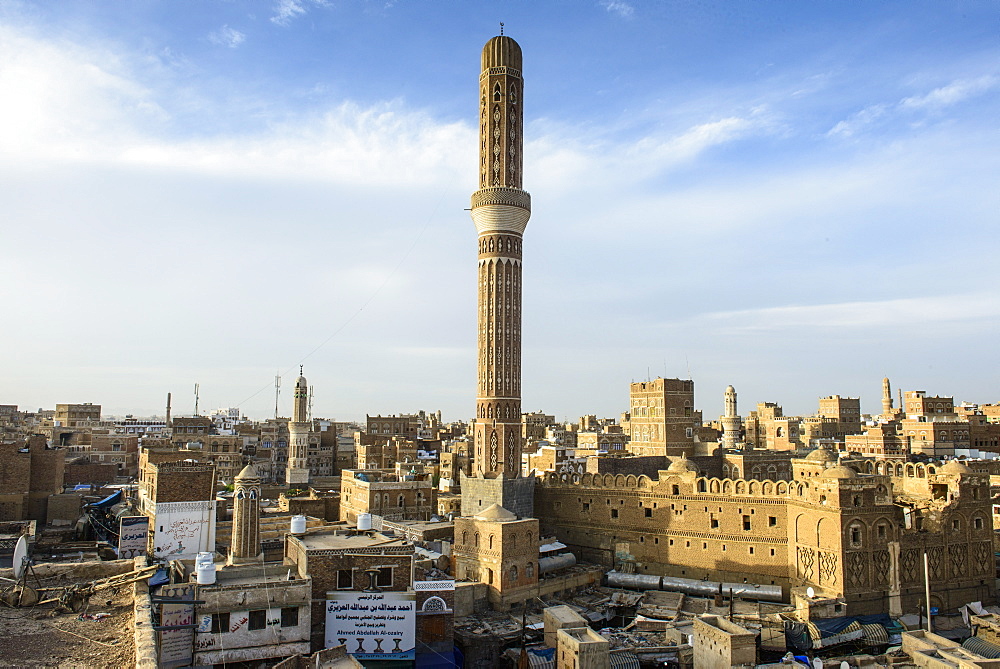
(500, 210)
(298, 435)
(887, 411)
(731, 423)
(244, 544)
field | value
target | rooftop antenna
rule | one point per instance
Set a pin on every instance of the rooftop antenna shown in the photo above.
(312, 391)
(277, 391)
(688, 363)
(501, 29)
(197, 386)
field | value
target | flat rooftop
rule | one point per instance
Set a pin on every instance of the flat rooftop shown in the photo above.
(318, 540)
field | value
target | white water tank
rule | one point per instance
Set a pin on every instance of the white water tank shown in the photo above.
(364, 521)
(206, 573)
(298, 524)
(204, 556)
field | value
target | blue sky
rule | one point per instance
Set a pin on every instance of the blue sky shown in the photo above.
(793, 197)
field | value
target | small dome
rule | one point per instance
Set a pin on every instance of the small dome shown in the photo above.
(249, 472)
(682, 465)
(822, 455)
(839, 472)
(495, 512)
(954, 467)
(730, 389)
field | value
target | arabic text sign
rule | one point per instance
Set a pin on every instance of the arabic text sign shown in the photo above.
(373, 625)
(133, 535)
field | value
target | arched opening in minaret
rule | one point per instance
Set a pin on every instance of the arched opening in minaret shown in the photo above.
(497, 95)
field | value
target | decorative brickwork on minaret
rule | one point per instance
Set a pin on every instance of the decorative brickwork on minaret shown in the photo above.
(245, 541)
(298, 436)
(500, 211)
(731, 423)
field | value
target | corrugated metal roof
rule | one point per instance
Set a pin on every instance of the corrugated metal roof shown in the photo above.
(981, 647)
(624, 660)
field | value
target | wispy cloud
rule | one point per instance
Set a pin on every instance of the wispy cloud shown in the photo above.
(286, 11)
(981, 307)
(622, 9)
(953, 93)
(226, 36)
(858, 121)
(933, 101)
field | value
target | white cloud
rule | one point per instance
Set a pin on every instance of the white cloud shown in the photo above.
(953, 93)
(933, 101)
(967, 308)
(228, 37)
(858, 121)
(622, 9)
(285, 11)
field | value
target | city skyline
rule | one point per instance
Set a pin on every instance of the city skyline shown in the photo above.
(790, 200)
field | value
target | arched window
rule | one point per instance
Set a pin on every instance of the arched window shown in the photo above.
(491, 542)
(529, 570)
(513, 574)
(477, 539)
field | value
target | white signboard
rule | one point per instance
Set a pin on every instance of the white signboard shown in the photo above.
(181, 530)
(373, 625)
(133, 534)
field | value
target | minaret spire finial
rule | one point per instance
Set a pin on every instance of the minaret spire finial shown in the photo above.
(300, 370)
(501, 29)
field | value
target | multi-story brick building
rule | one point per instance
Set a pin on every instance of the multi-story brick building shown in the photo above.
(662, 417)
(30, 471)
(337, 560)
(769, 428)
(74, 415)
(396, 494)
(846, 411)
(499, 549)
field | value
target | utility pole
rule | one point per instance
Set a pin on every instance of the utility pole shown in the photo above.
(927, 592)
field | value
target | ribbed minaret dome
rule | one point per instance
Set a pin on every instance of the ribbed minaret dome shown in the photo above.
(730, 389)
(502, 51)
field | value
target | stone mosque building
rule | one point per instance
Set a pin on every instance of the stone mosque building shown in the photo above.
(850, 529)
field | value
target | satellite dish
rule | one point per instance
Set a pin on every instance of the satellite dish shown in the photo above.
(810, 593)
(20, 553)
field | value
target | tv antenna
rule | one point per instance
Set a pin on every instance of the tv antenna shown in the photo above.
(277, 392)
(312, 390)
(197, 387)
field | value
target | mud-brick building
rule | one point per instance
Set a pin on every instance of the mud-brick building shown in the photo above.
(851, 535)
(29, 473)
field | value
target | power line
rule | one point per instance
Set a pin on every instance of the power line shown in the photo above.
(370, 299)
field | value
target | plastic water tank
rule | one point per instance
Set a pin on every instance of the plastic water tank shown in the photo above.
(364, 521)
(206, 573)
(204, 557)
(298, 524)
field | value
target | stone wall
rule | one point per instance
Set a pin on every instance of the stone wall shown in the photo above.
(516, 495)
